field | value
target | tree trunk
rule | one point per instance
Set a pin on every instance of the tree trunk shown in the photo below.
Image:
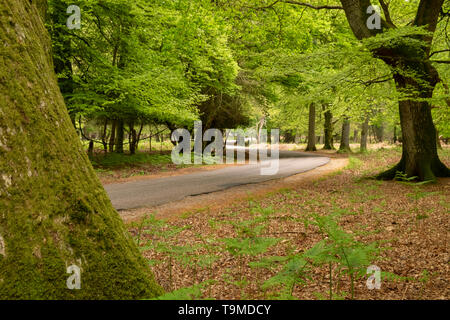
(419, 156)
(328, 130)
(62, 52)
(91, 148)
(112, 139)
(364, 134)
(119, 136)
(139, 134)
(288, 137)
(104, 137)
(378, 132)
(312, 128)
(259, 128)
(54, 211)
(355, 135)
(345, 136)
(133, 139)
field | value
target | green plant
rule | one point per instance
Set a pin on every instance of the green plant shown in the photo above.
(193, 292)
(338, 251)
(249, 241)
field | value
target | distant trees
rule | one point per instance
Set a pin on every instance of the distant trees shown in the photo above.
(227, 62)
(140, 63)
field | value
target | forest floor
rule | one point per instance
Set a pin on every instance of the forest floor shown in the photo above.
(254, 248)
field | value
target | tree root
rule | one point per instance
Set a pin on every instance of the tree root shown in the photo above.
(426, 172)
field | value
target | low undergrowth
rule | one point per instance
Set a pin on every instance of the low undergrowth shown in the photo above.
(319, 240)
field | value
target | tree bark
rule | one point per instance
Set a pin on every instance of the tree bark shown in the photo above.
(364, 134)
(120, 128)
(54, 211)
(355, 135)
(91, 148)
(312, 128)
(112, 138)
(104, 137)
(328, 131)
(132, 139)
(345, 136)
(378, 132)
(62, 54)
(419, 156)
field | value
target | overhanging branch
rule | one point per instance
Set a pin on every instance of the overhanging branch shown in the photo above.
(309, 5)
(441, 61)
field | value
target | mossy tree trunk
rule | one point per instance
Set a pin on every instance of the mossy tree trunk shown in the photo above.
(54, 212)
(311, 146)
(419, 156)
(62, 48)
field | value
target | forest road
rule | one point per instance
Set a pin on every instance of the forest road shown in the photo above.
(154, 192)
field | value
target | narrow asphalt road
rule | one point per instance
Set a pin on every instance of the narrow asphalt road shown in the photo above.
(153, 192)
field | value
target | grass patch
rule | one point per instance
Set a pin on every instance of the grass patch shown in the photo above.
(116, 160)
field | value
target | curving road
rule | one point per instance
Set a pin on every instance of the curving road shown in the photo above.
(153, 192)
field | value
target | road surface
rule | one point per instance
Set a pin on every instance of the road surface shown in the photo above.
(153, 192)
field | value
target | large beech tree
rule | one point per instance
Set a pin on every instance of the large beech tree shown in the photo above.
(54, 212)
(412, 71)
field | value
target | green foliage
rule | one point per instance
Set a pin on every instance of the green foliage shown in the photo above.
(189, 293)
(339, 250)
(114, 159)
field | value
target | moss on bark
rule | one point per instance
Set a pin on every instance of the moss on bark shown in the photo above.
(53, 210)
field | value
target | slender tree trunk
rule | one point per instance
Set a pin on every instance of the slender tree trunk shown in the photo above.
(364, 134)
(328, 130)
(55, 213)
(91, 148)
(133, 139)
(311, 146)
(139, 134)
(104, 137)
(378, 132)
(112, 138)
(345, 136)
(259, 128)
(120, 128)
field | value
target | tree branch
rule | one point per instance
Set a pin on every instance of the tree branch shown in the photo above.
(439, 51)
(318, 7)
(387, 14)
(441, 61)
